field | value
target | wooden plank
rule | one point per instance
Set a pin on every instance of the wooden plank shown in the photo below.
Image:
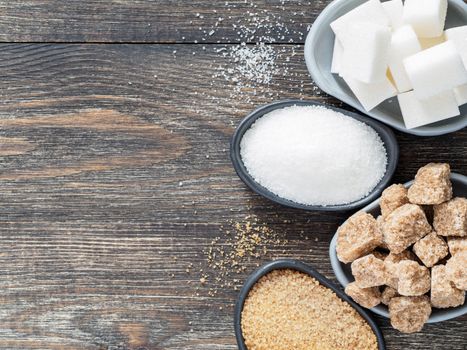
(115, 179)
(160, 21)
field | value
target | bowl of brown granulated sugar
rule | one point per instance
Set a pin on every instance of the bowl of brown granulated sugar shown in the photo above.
(286, 304)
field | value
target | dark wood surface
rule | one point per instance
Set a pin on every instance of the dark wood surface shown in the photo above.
(115, 176)
(156, 21)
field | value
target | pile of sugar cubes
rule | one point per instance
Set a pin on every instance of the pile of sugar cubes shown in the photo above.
(390, 48)
(414, 255)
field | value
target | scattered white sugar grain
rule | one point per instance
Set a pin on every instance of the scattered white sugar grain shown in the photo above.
(314, 155)
(256, 63)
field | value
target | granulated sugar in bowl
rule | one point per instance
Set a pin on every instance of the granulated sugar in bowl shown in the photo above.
(313, 155)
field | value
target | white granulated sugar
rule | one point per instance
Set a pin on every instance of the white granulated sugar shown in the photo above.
(255, 63)
(254, 66)
(314, 155)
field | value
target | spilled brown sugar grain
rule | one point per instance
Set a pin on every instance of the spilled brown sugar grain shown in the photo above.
(238, 245)
(288, 309)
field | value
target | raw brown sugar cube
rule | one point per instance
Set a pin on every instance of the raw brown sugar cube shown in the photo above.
(379, 226)
(391, 262)
(409, 314)
(431, 249)
(456, 270)
(450, 218)
(404, 226)
(443, 292)
(432, 184)
(387, 294)
(366, 297)
(369, 271)
(392, 198)
(457, 245)
(413, 278)
(357, 237)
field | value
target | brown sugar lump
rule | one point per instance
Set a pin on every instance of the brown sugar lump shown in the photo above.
(409, 314)
(391, 262)
(413, 278)
(369, 271)
(379, 227)
(404, 226)
(357, 237)
(443, 292)
(431, 249)
(366, 297)
(392, 198)
(287, 309)
(450, 218)
(432, 185)
(456, 270)
(457, 245)
(387, 294)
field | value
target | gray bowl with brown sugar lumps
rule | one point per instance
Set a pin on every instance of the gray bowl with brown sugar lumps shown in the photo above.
(306, 269)
(385, 133)
(344, 274)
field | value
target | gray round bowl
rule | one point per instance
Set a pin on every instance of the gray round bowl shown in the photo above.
(385, 133)
(298, 266)
(344, 275)
(318, 56)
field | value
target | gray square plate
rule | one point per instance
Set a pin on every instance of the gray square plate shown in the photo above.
(318, 56)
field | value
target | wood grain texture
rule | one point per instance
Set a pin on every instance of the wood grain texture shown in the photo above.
(115, 177)
(160, 21)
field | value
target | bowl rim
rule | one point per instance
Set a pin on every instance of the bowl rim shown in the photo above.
(293, 264)
(341, 276)
(385, 133)
(320, 79)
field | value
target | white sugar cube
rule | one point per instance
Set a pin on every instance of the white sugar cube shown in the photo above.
(371, 95)
(366, 47)
(337, 56)
(461, 94)
(394, 10)
(458, 36)
(370, 11)
(422, 112)
(404, 43)
(435, 70)
(427, 17)
(430, 42)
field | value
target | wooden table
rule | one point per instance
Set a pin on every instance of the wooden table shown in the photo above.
(115, 176)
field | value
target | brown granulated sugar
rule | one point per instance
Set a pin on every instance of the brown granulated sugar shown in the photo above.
(288, 309)
(239, 245)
